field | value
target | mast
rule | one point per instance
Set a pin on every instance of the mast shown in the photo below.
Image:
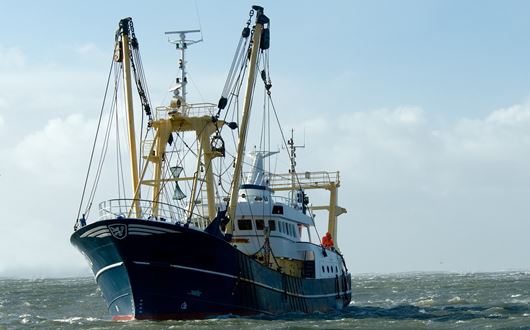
(261, 19)
(182, 44)
(292, 159)
(126, 61)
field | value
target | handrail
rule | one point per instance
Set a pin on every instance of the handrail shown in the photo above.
(115, 208)
(188, 110)
(304, 180)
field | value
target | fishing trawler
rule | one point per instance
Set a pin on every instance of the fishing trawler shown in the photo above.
(199, 238)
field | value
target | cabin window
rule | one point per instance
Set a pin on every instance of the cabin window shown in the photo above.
(323, 270)
(259, 224)
(244, 224)
(292, 230)
(336, 269)
(327, 267)
(287, 229)
(272, 225)
(277, 209)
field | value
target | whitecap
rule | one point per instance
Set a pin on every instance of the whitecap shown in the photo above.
(69, 320)
(24, 318)
(425, 302)
(455, 299)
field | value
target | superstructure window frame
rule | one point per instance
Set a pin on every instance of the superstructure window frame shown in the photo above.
(247, 224)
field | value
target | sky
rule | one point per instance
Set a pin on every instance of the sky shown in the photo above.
(424, 107)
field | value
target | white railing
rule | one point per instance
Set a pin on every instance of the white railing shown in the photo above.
(304, 180)
(188, 110)
(116, 208)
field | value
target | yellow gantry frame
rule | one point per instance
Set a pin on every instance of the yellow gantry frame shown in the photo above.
(279, 182)
(204, 127)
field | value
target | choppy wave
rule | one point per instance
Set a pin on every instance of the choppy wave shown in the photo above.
(379, 301)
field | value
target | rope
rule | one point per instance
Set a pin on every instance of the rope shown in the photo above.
(102, 155)
(283, 136)
(95, 139)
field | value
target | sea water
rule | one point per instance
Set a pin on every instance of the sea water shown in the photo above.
(406, 301)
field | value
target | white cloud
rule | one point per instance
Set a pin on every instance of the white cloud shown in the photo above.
(54, 151)
(415, 187)
(40, 184)
(516, 114)
(12, 58)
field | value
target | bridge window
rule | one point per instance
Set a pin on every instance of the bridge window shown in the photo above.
(277, 209)
(259, 224)
(244, 224)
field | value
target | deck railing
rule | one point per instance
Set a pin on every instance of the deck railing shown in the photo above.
(189, 110)
(305, 180)
(116, 208)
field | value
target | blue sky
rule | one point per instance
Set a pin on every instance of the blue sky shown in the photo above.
(423, 105)
(448, 56)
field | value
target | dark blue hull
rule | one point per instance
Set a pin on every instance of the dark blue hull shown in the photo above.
(156, 270)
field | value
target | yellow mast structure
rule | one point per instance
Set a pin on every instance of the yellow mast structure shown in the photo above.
(177, 117)
(261, 19)
(123, 56)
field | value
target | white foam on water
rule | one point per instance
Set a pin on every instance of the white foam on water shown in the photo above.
(454, 300)
(425, 302)
(76, 319)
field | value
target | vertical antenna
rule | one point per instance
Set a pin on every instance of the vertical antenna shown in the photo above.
(292, 170)
(292, 151)
(182, 44)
